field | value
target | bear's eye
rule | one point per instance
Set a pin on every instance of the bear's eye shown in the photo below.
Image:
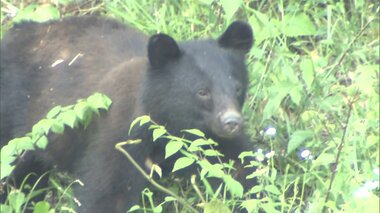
(203, 94)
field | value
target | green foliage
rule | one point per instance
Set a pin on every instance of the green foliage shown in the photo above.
(216, 207)
(297, 138)
(193, 152)
(55, 122)
(37, 13)
(314, 78)
(17, 199)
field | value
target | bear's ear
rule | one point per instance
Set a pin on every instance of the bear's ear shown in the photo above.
(238, 36)
(161, 49)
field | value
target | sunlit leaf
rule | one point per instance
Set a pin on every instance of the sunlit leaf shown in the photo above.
(182, 162)
(172, 147)
(157, 133)
(216, 206)
(298, 25)
(307, 69)
(230, 7)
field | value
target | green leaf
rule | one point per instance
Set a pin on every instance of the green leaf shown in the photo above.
(298, 25)
(205, 165)
(208, 2)
(272, 189)
(203, 142)
(170, 198)
(134, 208)
(278, 93)
(213, 170)
(43, 126)
(53, 112)
(256, 189)
(37, 13)
(212, 152)
(157, 209)
(198, 143)
(233, 186)
(69, 118)
(264, 26)
(41, 207)
(251, 204)
(99, 101)
(297, 138)
(107, 102)
(142, 119)
(291, 75)
(307, 69)
(246, 154)
(296, 95)
(182, 162)
(216, 206)
(42, 142)
(66, 2)
(230, 7)
(16, 199)
(324, 159)
(273, 175)
(58, 127)
(6, 169)
(5, 208)
(8, 154)
(268, 208)
(172, 147)
(366, 79)
(157, 133)
(196, 132)
(21, 144)
(81, 109)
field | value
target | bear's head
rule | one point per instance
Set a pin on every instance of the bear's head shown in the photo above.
(198, 84)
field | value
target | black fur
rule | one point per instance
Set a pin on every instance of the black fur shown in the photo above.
(195, 84)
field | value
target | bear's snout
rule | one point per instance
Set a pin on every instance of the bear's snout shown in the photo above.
(231, 122)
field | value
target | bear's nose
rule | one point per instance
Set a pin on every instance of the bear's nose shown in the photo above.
(231, 121)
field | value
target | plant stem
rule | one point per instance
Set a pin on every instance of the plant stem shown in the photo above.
(340, 148)
(340, 60)
(119, 147)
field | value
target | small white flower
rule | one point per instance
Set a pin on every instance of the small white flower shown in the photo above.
(365, 190)
(305, 153)
(271, 131)
(259, 151)
(269, 154)
(260, 158)
(376, 171)
(362, 193)
(371, 185)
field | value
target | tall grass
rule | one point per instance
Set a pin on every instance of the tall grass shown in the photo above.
(313, 101)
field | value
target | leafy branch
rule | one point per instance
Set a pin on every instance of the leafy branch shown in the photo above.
(56, 120)
(119, 147)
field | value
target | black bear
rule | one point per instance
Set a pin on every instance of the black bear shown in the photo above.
(193, 84)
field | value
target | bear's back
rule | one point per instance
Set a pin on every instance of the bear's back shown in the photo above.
(58, 62)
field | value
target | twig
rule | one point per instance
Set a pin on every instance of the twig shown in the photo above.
(340, 147)
(119, 147)
(348, 48)
(193, 182)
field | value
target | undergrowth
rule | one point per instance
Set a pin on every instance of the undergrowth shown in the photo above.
(313, 101)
